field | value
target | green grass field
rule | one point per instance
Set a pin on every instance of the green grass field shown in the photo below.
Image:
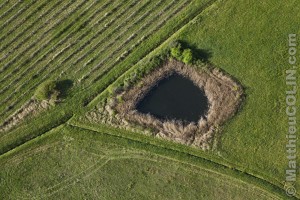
(255, 52)
(71, 163)
(95, 44)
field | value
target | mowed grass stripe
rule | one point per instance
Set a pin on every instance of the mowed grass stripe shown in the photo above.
(101, 51)
(52, 69)
(23, 75)
(42, 46)
(76, 44)
(34, 39)
(24, 34)
(100, 31)
(23, 19)
(33, 65)
(58, 65)
(3, 4)
(164, 14)
(102, 43)
(51, 52)
(104, 31)
(36, 83)
(21, 34)
(27, 51)
(18, 14)
(10, 11)
(81, 47)
(54, 47)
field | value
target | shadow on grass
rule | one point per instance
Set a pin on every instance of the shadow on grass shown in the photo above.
(64, 86)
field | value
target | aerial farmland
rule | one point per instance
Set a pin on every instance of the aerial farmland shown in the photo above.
(150, 99)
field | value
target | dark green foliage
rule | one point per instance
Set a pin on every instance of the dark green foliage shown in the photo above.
(176, 52)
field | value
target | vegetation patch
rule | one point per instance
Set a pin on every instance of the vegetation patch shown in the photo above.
(53, 91)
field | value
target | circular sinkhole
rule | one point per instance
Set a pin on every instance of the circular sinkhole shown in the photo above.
(175, 97)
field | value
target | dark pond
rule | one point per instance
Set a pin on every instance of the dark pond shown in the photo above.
(175, 97)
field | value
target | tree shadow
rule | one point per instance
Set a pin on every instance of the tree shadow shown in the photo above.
(63, 87)
(200, 54)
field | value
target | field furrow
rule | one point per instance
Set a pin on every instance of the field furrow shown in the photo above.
(43, 42)
(24, 33)
(27, 51)
(11, 9)
(23, 19)
(18, 14)
(3, 4)
(144, 31)
(28, 69)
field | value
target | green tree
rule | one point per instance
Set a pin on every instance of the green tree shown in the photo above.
(176, 52)
(187, 56)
